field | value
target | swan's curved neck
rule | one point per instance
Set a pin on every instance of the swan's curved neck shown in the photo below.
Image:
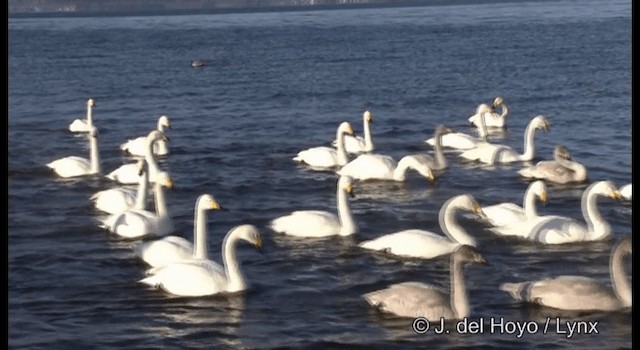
(529, 204)
(529, 147)
(141, 196)
(161, 204)
(580, 171)
(440, 160)
(400, 172)
(505, 110)
(341, 151)
(621, 285)
(459, 300)
(450, 226)
(597, 226)
(347, 224)
(150, 158)
(368, 141)
(94, 155)
(235, 278)
(200, 234)
(160, 127)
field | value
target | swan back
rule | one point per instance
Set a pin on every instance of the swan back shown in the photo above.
(446, 218)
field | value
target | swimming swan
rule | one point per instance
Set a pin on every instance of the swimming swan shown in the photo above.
(73, 166)
(138, 146)
(327, 157)
(136, 223)
(359, 144)
(495, 153)
(380, 167)
(580, 293)
(116, 200)
(425, 244)
(491, 119)
(317, 223)
(626, 191)
(200, 277)
(84, 125)
(509, 213)
(416, 299)
(128, 173)
(462, 141)
(561, 170)
(554, 229)
(171, 249)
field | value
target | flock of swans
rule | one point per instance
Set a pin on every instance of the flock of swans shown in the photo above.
(182, 267)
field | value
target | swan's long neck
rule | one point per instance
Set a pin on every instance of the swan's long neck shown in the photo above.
(529, 147)
(347, 224)
(368, 141)
(483, 128)
(450, 226)
(440, 160)
(341, 151)
(529, 204)
(161, 204)
(89, 116)
(150, 158)
(459, 300)
(235, 278)
(505, 110)
(597, 226)
(141, 196)
(94, 155)
(200, 234)
(579, 169)
(400, 172)
(621, 285)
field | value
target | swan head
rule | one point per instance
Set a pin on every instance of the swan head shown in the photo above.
(207, 202)
(561, 152)
(345, 183)
(442, 130)
(164, 122)
(416, 164)
(497, 101)
(157, 135)
(606, 188)
(345, 128)
(468, 254)
(539, 188)
(469, 203)
(164, 179)
(367, 116)
(540, 122)
(250, 234)
(90, 103)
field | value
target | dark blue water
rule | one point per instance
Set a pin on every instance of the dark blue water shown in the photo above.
(278, 82)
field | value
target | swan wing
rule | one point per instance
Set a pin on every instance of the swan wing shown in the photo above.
(412, 243)
(79, 125)
(352, 144)
(307, 223)
(565, 292)
(491, 119)
(503, 214)
(71, 166)
(456, 140)
(114, 200)
(491, 154)
(132, 223)
(169, 249)
(188, 278)
(412, 299)
(138, 147)
(551, 229)
(370, 166)
(126, 174)
(548, 170)
(322, 157)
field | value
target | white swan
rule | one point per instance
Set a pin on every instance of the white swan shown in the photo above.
(626, 191)
(200, 277)
(494, 153)
(128, 173)
(317, 223)
(380, 167)
(561, 170)
(509, 213)
(578, 293)
(171, 249)
(327, 157)
(491, 119)
(415, 299)
(136, 223)
(554, 229)
(138, 146)
(425, 244)
(84, 125)
(73, 166)
(462, 141)
(116, 200)
(359, 144)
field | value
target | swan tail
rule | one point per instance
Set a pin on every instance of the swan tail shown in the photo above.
(519, 291)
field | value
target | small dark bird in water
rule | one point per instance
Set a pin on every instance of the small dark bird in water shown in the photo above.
(197, 63)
